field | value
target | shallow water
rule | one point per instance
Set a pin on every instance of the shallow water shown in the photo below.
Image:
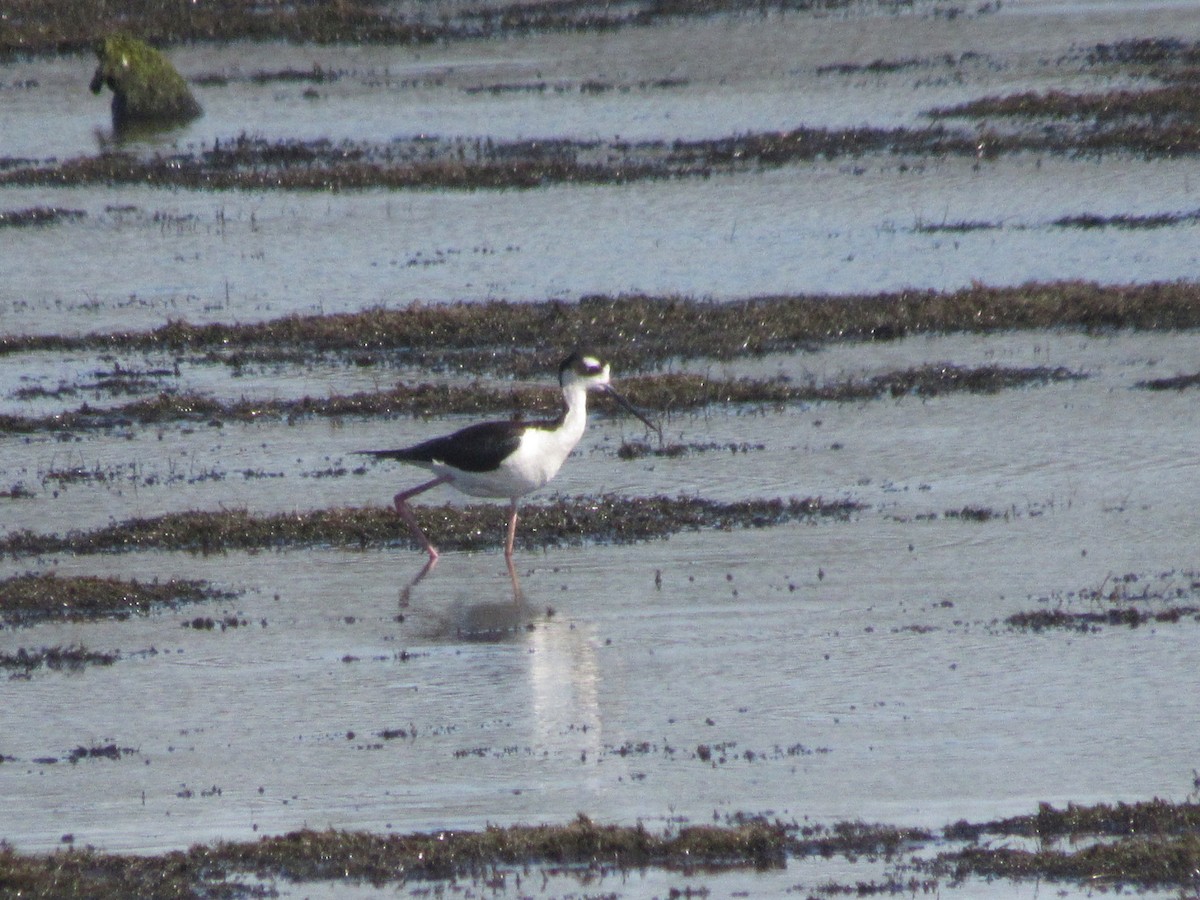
(141, 257)
(842, 670)
(859, 664)
(822, 228)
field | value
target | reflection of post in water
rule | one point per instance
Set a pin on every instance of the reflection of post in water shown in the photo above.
(564, 683)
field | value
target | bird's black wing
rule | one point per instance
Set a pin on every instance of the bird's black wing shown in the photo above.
(476, 448)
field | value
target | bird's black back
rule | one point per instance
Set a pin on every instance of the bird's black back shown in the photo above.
(476, 448)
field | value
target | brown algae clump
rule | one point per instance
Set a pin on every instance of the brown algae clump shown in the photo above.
(1128, 600)
(38, 216)
(307, 854)
(1102, 819)
(637, 332)
(1129, 616)
(1163, 862)
(146, 88)
(28, 599)
(1176, 383)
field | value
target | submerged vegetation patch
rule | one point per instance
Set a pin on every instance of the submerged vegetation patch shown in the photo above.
(639, 449)
(1175, 383)
(254, 163)
(1166, 128)
(638, 332)
(961, 227)
(1160, 119)
(669, 393)
(564, 521)
(1155, 55)
(33, 598)
(308, 855)
(38, 215)
(1129, 222)
(1155, 844)
(70, 25)
(72, 657)
(890, 66)
(1171, 100)
(1100, 820)
(225, 869)
(1151, 844)
(1128, 616)
(1164, 861)
(1128, 601)
(588, 86)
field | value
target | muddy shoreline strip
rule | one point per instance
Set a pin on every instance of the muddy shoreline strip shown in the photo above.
(668, 393)
(250, 163)
(32, 599)
(381, 859)
(64, 26)
(1150, 844)
(564, 521)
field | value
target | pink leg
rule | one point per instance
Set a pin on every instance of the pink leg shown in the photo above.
(512, 531)
(508, 551)
(406, 513)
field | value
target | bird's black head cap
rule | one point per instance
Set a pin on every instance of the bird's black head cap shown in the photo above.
(582, 363)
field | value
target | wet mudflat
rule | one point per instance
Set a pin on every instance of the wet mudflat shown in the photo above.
(916, 550)
(893, 643)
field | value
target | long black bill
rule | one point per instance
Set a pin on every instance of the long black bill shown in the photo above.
(612, 392)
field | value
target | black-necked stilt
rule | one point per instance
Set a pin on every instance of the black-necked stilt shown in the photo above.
(507, 459)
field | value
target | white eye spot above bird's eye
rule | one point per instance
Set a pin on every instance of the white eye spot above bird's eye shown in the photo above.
(591, 365)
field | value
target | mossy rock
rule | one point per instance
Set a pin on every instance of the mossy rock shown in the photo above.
(146, 88)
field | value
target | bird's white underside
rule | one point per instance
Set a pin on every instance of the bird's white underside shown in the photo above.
(536, 460)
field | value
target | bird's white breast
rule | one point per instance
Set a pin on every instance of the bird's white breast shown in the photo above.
(539, 457)
(536, 460)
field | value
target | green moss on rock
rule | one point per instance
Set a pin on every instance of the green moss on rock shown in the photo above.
(146, 88)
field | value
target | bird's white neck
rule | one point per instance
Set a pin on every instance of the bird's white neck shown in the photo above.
(543, 449)
(575, 419)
